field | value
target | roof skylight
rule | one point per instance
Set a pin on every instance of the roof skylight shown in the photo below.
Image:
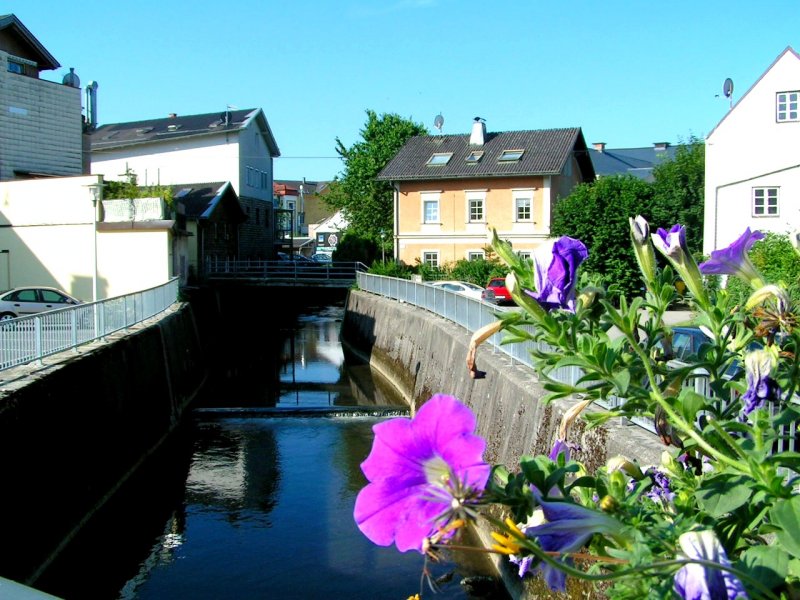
(439, 158)
(511, 155)
(474, 156)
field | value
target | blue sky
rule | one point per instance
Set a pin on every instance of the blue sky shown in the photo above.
(628, 73)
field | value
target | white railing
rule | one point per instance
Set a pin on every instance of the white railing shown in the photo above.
(30, 339)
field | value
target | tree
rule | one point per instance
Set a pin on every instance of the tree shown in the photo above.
(679, 190)
(597, 214)
(366, 202)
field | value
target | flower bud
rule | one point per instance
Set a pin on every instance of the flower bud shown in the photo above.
(620, 463)
(640, 235)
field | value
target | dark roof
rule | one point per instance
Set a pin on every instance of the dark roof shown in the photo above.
(45, 61)
(309, 187)
(121, 135)
(546, 152)
(638, 162)
(200, 200)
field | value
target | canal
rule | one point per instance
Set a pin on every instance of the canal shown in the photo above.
(253, 496)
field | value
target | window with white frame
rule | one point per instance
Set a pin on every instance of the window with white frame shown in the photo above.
(786, 106)
(430, 208)
(476, 255)
(523, 207)
(431, 259)
(476, 207)
(524, 254)
(765, 202)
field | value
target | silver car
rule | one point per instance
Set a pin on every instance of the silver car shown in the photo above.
(30, 300)
(467, 289)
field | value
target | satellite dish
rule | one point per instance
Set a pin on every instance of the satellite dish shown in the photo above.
(438, 122)
(727, 87)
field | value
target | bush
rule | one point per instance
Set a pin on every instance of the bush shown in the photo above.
(391, 268)
(354, 247)
(775, 258)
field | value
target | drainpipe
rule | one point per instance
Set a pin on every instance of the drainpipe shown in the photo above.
(396, 227)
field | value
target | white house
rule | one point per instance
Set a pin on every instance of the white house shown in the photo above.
(753, 159)
(234, 145)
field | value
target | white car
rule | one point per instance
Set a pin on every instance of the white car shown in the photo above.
(29, 300)
(467, 289)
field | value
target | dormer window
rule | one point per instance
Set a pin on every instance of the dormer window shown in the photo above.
(511, 155)
(15, 67)
(474, 157)
(173, 127)
(440, 158)
(786, 106)
(143, 130)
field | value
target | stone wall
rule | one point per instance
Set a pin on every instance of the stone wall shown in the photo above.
(424, 354)
(72, 430)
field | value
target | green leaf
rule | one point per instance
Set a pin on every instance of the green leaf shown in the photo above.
(690, 403)
(622, 380)
(786, 515)
(768, 564)
(723, 494)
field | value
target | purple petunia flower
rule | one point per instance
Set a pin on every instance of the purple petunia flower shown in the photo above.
(562, 447)
(423, 473)
(733, 260)
(760, 386)
(699, 582)
(555, 271)
(672, 243)
(568, 528)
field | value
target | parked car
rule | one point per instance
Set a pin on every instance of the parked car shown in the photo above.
(30, 300)
(294, 257)
(321, 257)
(498, 286)
(467, 289)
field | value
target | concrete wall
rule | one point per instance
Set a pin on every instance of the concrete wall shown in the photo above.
(71, 432)
(425, 354)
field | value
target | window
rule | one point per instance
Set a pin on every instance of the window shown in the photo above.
(474, 157)
(438, 159)
(321, 238)
(258, 216)
(475, 255)
(430, 210)
(786, 107)
(522, 209)
(511, 155)
(524, 254)
(765, 202)
(476, 210)
(15, 67)
(431, 259)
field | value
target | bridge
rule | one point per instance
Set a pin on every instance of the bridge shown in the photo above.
(340, 274)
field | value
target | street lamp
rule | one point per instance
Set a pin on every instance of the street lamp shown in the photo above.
(96, 189)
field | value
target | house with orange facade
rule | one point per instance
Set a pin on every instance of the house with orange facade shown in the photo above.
(449, 190)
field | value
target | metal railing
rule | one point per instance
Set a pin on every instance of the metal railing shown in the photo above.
(284, 271)
(30, 339)
(473, 314)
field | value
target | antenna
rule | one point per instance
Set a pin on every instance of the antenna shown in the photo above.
(727, 90)
(438, 121)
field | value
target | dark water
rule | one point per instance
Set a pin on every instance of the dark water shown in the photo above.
(257, 506)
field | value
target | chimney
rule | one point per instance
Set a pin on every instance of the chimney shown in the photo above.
(173, 115)
(599, 146)
(660, 146)
(91, 104)
(478, 132)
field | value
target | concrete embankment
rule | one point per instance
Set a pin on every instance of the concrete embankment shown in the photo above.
(72, 430)
(425, 354)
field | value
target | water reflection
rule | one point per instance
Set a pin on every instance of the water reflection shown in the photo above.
(263, 507)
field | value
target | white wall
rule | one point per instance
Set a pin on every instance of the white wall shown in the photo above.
(204, 159)
(750, 149)
(50, 241)
(144, 257)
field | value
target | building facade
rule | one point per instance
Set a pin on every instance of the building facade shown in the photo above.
(753, 159)
(451, 190)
